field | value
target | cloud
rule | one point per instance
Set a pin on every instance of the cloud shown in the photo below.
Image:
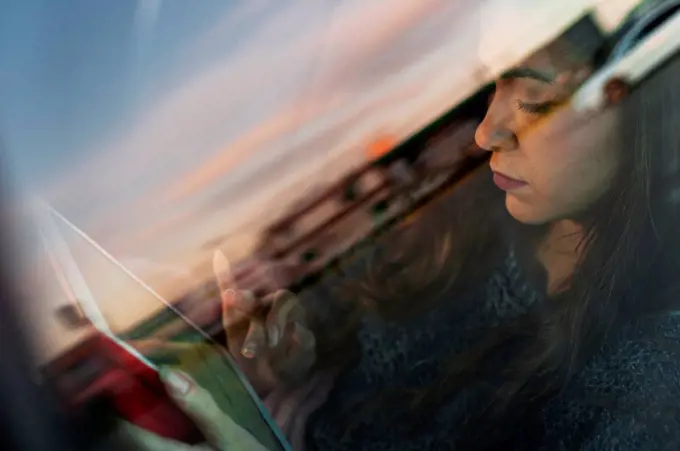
(240, 134)
(252, 141)
(346, 62)
(242, 15)
(215, 105)
(146, 16)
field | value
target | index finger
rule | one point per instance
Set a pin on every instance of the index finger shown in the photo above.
(237, 305)
(228, 295)
(222, 270)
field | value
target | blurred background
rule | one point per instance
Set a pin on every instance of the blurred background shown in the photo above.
(146, 134)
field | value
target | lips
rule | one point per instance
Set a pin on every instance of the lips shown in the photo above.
(507, 183)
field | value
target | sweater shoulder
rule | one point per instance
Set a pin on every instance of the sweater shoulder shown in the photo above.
(628, 395)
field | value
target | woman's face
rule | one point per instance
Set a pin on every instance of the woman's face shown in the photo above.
(552, 162)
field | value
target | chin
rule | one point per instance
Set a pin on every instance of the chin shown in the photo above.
(524, 212)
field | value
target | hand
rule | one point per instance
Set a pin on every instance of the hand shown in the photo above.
(269, 337)
(222, 432)
(271, 341)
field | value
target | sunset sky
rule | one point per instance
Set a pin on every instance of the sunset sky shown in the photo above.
(158, 126)
(172, 113)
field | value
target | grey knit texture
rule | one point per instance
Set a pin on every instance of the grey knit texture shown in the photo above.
(626, 398)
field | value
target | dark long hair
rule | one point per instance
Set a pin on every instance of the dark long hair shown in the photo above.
(628, 267)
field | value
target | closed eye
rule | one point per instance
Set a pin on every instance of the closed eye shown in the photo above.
(535, 108)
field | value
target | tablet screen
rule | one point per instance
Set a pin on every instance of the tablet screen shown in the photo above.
(148, 327)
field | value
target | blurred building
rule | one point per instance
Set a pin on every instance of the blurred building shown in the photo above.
(328, 221)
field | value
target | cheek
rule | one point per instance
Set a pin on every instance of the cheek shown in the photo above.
(572, 163)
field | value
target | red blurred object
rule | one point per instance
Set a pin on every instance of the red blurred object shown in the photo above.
(101, 368)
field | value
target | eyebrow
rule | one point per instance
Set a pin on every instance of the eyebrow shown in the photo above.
(525, 72)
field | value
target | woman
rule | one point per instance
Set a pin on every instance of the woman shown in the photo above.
(546, 324)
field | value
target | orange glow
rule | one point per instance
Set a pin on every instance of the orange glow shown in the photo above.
(381, 147)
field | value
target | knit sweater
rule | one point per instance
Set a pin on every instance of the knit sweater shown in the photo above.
(626, 397)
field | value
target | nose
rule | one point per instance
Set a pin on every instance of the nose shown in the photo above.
(494, 135)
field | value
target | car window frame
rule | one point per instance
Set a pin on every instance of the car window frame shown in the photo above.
(634, 35)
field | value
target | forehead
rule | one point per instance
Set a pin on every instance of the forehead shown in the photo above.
(548, 64)
(555, 58)
(539, 67)
(542, 61)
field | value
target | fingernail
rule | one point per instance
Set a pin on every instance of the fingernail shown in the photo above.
(248, 351)
(274, 335)
(229, 295)
(177, 382)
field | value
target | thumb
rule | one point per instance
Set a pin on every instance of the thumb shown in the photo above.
(198, 403)
(144, 440)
